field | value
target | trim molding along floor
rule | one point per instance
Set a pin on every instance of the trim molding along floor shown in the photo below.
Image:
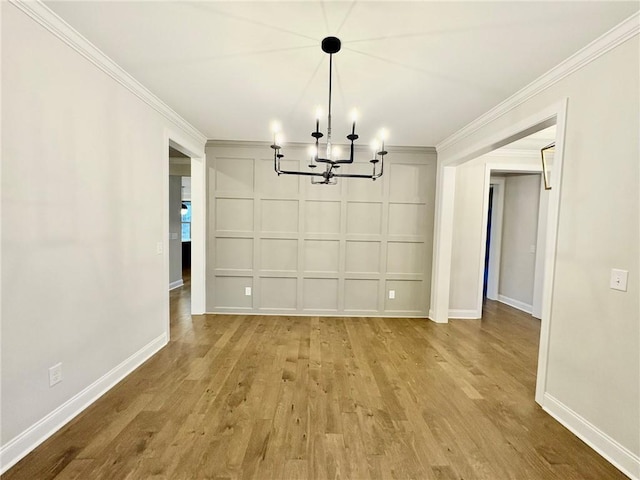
(623, 459)
(512, 302)
(28, 440)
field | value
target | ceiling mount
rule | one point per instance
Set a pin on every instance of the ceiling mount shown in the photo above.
(331, 45)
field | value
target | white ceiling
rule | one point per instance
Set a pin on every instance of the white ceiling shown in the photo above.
(422, 70)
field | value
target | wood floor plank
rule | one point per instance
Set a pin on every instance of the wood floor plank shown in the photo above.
(271, 398)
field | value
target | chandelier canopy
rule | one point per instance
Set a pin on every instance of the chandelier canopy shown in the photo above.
(331, 161)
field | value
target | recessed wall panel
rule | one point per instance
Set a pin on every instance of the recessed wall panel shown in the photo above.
(276, 254)
(361, 295)
(274, 185)
(321, 255)
(404, 257)
(278, 293)
(407, 219)
(234, 175)
(234, 253)
(321, 294)
(364, 218)
(234, 215)
(365, 189)
(408, 182)
(230, 292)
(362, 257)
(410, 295)
(321, 217)
(323, 192)
(279, 216)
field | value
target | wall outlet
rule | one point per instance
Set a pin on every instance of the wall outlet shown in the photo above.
(392, 294)
(55, 374)
(159, 248)
(247, 291)
(619, 279)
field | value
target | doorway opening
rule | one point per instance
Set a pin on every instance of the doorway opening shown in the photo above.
(183, 158)
(511, 276)
(449, 161)
(180, 217)
(515, 223)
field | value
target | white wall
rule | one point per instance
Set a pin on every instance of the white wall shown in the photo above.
(467, 239)
(318, 249)
(593, 376)
(519, 237)
(84, 179)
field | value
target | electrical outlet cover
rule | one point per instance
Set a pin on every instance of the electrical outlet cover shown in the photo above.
(619, 279)
(55, 374)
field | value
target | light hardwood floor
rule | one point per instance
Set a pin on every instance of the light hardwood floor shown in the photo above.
(324, 398)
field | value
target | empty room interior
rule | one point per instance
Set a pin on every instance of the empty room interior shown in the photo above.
(320, 239)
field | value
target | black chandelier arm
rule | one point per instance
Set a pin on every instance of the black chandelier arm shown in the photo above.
(356, 175)
(334, 162)
(381, 166)
(308, 174)
(346, 161)
(276, 158)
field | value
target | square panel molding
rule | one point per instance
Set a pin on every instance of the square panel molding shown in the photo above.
(234, 175)
(317, 249)
(279, 216)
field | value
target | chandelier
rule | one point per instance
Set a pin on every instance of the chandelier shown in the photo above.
(331, 161)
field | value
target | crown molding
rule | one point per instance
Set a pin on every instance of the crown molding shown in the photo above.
(44, 16)
(614, 37)
(358, 148)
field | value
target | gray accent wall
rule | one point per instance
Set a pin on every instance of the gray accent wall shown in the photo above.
(318, 249)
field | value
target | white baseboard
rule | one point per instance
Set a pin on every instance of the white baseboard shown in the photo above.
(525, 307)
(176, 284)
(464, 314)
(459, 314)
(621, 458)
(21, 445)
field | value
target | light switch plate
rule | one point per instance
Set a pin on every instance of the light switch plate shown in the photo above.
(619, 279)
